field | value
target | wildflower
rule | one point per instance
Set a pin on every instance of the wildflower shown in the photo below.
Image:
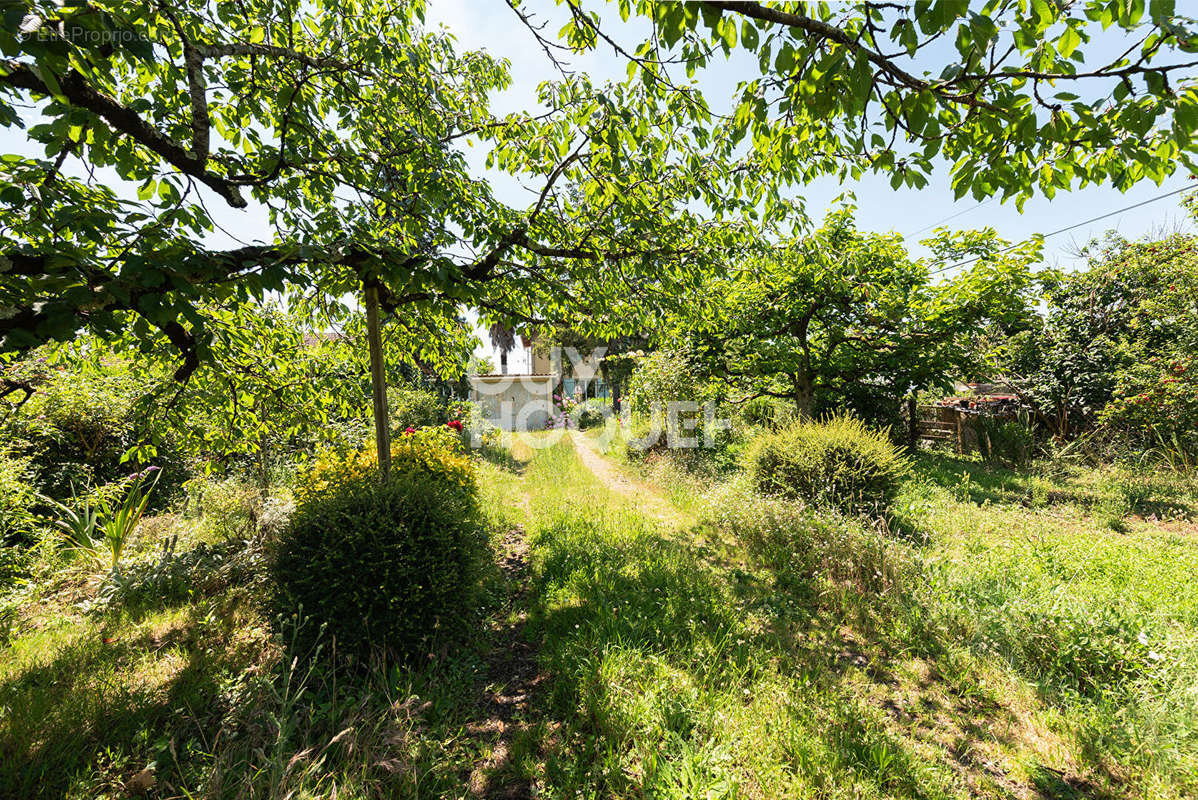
(456, 424)
(408, 431)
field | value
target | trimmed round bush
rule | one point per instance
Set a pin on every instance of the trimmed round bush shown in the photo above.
(382, 565)
(838, 463)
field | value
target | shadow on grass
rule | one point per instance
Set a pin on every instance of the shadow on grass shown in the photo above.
(1149, 494)
(502, 458)
(642, 639)
(1052, 784)
(112, 701)
(986, 482)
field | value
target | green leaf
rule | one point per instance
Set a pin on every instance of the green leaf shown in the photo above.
(1068, 42)
(748, 35)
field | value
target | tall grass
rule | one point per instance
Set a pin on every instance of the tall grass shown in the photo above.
(1104, 625)
(996, 639)
(676, 674)
(1014, 642)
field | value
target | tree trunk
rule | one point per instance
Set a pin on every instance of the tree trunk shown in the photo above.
(803, 392)
(503, 362)
(382, 426)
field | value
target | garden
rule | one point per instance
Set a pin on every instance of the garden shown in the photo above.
(260, 539)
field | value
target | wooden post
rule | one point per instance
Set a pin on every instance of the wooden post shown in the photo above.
(382, 425)
(912, 422)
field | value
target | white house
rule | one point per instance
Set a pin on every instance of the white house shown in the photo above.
(515, 402)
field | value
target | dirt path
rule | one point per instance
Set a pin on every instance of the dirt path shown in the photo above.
(646, 499)
(506, 708)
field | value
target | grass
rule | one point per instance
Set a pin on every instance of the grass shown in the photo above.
(1028, 647)
(202, 693)
(999, 638)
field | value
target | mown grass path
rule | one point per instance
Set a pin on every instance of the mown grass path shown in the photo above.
(647, 499)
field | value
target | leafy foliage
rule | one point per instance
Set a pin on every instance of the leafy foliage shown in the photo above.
(767, 411)
(591, 414)
(102, 525)
(1013, 98)
(666, 377)
(78, 428)
(845, 320)
(1005, 441)
(838, 463)
(415, 407)
(18, 500)
(1156, 406)
(298, 108)
(383, 565)
(436, 453)
(1135, 302)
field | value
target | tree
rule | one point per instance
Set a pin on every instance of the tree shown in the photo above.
(846, 319)
(343, 119)
(1134, 305)
(503, 338)
(1013, 96)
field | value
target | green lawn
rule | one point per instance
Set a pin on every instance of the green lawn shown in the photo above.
(1003, 636)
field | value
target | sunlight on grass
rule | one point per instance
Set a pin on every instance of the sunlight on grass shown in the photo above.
(1002, 656)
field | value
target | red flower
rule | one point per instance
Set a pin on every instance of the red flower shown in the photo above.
(456, 424)
(409, 430)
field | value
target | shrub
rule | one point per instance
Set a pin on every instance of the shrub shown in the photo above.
(829, 557)
(17, 501)
(591, 414)
(838, 463)
(1156, 406)
(411, 407)
(437, 452)
(1006, 442)
(381, 564)
(668, 377)
(76, 430)
(767, 411)
(229, 507)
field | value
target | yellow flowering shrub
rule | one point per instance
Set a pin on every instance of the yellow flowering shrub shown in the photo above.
(437, 452)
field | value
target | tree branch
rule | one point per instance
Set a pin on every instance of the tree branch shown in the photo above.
(76, 90)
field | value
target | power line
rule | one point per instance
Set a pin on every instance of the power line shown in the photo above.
(953, 216)
(967, 262)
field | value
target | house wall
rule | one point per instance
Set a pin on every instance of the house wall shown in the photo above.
(514, 402)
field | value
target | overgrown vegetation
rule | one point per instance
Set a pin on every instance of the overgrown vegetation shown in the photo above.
(383, 566)
(744, 575)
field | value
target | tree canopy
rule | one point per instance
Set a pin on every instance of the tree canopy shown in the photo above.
(1135, 307)
(343, 119)
(348, 122)
(1014, 96)
(843, 318)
